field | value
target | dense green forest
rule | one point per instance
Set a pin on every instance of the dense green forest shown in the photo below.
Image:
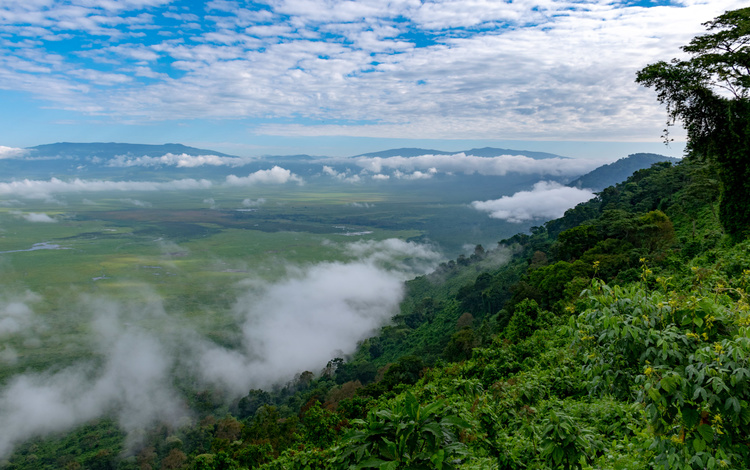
(614, 337)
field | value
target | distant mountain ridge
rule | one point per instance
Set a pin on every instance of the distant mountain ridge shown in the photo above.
(617, 172)
(108, 150)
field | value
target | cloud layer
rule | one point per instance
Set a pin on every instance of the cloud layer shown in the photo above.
(39, 189)
(552, 69)
(424, 166)
(42, 189)
(179, 161)
(547, 200)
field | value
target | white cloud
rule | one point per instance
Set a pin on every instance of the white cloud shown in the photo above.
(341, 176)
(417, 175)
(39, 217)
(425, 166)
(10, 152)
(555, 69)
(133, 382)
(275, 175)
(8, 355)
(38, 189)
(16, 313)
(388, 253)
(35, 217)
(136, 202)
(298, 324)
(253, 203)
(547, 200)
(11, 203)
(179, 161)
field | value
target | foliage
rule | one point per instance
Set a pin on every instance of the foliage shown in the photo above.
(686, 358)
(718, 126)
(408, 435)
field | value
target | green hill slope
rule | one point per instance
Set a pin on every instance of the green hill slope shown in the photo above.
(617, 172)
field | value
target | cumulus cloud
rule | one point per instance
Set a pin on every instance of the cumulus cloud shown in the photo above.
(179, 161)
(341, 176)
(39, 189)
(275, 175)
(547, 200)
(417, 175)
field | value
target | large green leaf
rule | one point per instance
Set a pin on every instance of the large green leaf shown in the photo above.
(707, 432)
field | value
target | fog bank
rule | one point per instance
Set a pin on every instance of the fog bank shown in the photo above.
(315, 313)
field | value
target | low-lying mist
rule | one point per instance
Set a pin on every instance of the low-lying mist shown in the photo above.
(140, 350)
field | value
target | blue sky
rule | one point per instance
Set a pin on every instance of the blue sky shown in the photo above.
(329, 77)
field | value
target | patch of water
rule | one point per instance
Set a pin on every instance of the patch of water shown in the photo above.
(39, 246)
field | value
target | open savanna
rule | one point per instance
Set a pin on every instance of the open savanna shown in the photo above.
(190, 251)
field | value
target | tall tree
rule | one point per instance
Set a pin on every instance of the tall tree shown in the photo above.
(709, 93)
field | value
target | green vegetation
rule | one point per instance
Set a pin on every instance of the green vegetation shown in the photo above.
(615, 337)
(612, 173)
(695, 92)
(616, 341)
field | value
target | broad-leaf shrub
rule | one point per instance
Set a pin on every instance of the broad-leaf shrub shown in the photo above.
(686, 357)
(408, 435)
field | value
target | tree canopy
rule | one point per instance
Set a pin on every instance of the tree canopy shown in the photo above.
(708, 92)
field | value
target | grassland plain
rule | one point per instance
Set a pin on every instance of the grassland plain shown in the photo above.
(189, 250)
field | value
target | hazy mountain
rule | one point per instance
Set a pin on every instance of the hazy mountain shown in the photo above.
(405, 152)
(290, 158)
(100, 152)
(619, 171)
(100, 160)
(106, 150)
(496, 152)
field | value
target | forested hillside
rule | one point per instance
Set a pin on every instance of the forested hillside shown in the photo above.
(613, 337)
(615, 172)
